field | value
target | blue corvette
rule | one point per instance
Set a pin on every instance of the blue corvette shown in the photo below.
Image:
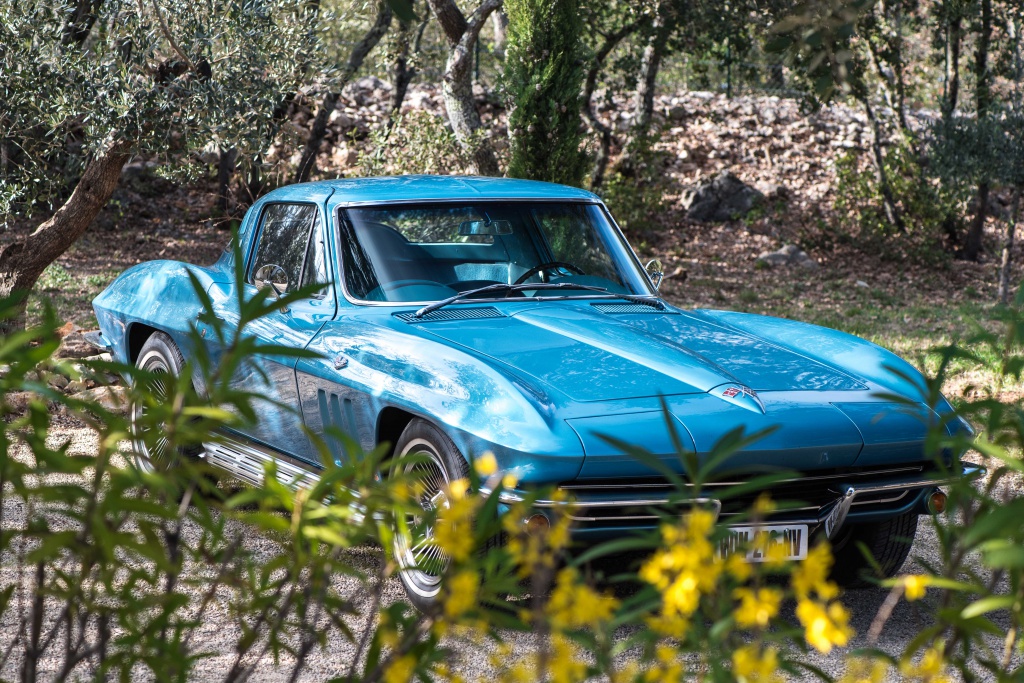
(457, 316)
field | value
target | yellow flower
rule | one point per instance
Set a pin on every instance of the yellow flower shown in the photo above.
(915, 586)
(400, 670)
(453, 532)
(930, 669)
(575, 605)
(686, 567)
(486, 464)
(565, 668)
(863, 670)
(752, 665)
(458, 488)
(670, 626)
(824, 627)
(462, 589)
(509, 480)
(811, 575)
(763, 505)
(737, 565)
(757, 608)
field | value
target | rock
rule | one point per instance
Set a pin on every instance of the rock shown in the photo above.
(111, 398)
(773, 191)
(677, 113)
(724, 198)
(788, 256)
(57, 381)
(75, 387)
(341, 119)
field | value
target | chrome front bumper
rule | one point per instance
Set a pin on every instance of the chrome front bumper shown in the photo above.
(831, 515)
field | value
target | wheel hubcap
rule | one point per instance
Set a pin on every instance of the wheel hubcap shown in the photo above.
(423, 562)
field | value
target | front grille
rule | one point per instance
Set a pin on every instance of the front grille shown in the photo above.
(451, 314)
(804, 496)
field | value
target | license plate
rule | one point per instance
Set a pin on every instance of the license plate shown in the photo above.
(757, 539)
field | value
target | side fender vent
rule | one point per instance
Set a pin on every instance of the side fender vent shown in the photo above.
(451, 314)
(336, 412)
(630, 308)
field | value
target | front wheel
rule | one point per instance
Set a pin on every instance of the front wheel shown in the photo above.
(889, 543)
(161, 357)
(425, 455)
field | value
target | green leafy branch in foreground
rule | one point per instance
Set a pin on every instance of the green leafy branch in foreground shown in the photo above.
(108, 570)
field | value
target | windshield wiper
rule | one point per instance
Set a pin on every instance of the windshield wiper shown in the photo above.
(544, 286)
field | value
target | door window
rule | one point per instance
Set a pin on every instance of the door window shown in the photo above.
(290, 238)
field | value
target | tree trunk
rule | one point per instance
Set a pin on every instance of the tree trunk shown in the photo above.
(499, 20)
(650, 64)
(1007, 260)
(983, 100)
(954, 37)
(401, 72)
(457, 83)
(589, 85)
(225, 171)
(889, 205)
(307, 163)
(80, 22)
(22, 262)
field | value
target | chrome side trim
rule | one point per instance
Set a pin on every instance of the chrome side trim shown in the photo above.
(245, 459)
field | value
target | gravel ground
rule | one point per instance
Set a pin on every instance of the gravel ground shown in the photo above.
(218, 632)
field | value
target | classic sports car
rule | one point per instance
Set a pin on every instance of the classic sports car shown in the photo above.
(463, 315)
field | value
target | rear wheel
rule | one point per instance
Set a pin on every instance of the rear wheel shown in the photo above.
(889, 543)
(436, 462)
(161, 357)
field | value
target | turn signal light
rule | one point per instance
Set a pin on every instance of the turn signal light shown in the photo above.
(537, 524)
(937, 502)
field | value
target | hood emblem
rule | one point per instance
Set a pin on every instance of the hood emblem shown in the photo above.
(739, 395)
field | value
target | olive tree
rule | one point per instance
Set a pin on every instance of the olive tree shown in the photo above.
(88, 84)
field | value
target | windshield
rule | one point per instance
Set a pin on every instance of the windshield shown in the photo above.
(428, 252)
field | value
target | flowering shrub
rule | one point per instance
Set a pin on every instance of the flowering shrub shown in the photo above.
(111, 570)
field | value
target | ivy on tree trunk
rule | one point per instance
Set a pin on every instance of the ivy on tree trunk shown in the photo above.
(543, 76)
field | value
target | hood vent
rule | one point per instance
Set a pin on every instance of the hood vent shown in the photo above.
(451, 314)
(629, 308)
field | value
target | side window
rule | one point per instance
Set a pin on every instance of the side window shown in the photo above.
(316, 259)
(289, 237)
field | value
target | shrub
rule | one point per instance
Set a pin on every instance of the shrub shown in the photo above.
(930, 210)
(418, 142)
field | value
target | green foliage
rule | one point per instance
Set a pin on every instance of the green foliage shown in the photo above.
(967, 150)
(543, 76)
(636, 196)
(417, 142)
(927, 208)
(164, 79)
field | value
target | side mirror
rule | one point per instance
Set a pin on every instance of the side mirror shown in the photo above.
(656, 272)
(273, 276)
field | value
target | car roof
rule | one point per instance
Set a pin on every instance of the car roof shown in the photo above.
(432, 187)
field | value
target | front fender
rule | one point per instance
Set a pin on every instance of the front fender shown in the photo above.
(481, 406)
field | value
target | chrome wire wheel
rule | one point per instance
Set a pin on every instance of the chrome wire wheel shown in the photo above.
(151, 448)
(163, 362)
(421, 560)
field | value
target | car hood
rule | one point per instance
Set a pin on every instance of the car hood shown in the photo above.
(601, 351)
